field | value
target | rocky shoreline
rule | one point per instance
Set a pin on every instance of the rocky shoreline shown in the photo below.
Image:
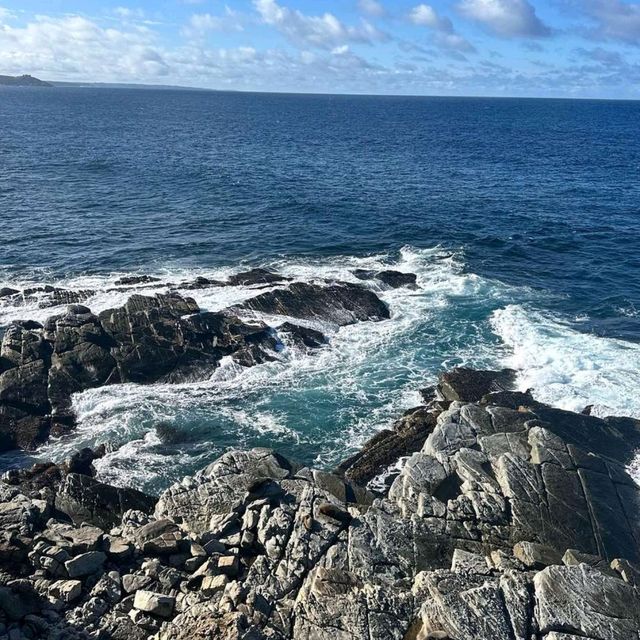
(508, 520)
(480, 514)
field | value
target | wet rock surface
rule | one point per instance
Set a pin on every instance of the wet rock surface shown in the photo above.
(389, 277)
(495, 526)
(339, 303)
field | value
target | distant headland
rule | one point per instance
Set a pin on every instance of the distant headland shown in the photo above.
(23, 81)
(31, 81)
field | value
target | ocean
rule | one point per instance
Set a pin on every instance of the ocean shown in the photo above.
(519, 217)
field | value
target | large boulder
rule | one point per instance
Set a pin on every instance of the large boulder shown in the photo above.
(471, 385)
(586, 603)
(390, 277)
(81, 357)
(339, 303)
(84, 499)
(24, 404)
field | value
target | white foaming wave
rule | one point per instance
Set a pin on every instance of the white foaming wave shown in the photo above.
(434, 268)
(108, 294)
(363, 364)
(568, 368)
(371, 367)
(262, 422)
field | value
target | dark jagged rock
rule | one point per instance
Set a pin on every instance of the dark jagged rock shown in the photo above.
(397, 279)
(339, 303)
(47, 296)
(364, 274)
(84, 499)
(131, 280)
(388, 446)
(81, 462)
(148, 339)
(471, 385)
(81, 358)
(509, 399)
(168, 434)
(303, 335)
(256, 276)
(59, 297)
(156, 341)
(391, 278)
(24, 361)
(201, 283)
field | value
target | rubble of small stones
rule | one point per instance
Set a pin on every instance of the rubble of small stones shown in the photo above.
(506, 520)
(161, 338)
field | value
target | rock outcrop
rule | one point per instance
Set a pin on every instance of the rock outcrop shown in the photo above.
(389, 277)
(338, 303)
(495, 526)
(149, 339)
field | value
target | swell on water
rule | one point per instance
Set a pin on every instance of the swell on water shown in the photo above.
(321, 407)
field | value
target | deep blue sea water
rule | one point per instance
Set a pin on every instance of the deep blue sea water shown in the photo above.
(520, 217)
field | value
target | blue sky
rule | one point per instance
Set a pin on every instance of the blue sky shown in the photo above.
(564, 48)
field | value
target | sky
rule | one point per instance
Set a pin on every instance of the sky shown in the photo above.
(543, 48)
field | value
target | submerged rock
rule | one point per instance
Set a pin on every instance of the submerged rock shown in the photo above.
(397, 279)
(131, 280)
(305, 336)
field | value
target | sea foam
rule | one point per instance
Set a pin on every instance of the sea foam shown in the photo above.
(320, 407)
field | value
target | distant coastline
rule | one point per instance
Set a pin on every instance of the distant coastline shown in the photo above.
(23, 81)
(31, 81)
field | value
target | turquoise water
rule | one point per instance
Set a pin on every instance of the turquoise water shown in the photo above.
(520, 218)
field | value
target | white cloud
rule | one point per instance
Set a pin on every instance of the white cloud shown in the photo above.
(602, 56)
(76, 48)
(6, 15)
(127, 12)
(425, 15)
(201, 23)
(616, 20)
(75, 45)
(506, 18)
(371, 8)
(324, 31)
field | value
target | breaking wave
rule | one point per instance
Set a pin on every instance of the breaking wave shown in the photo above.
(321, 407)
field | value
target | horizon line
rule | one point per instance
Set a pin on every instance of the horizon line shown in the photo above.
(168, 87)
